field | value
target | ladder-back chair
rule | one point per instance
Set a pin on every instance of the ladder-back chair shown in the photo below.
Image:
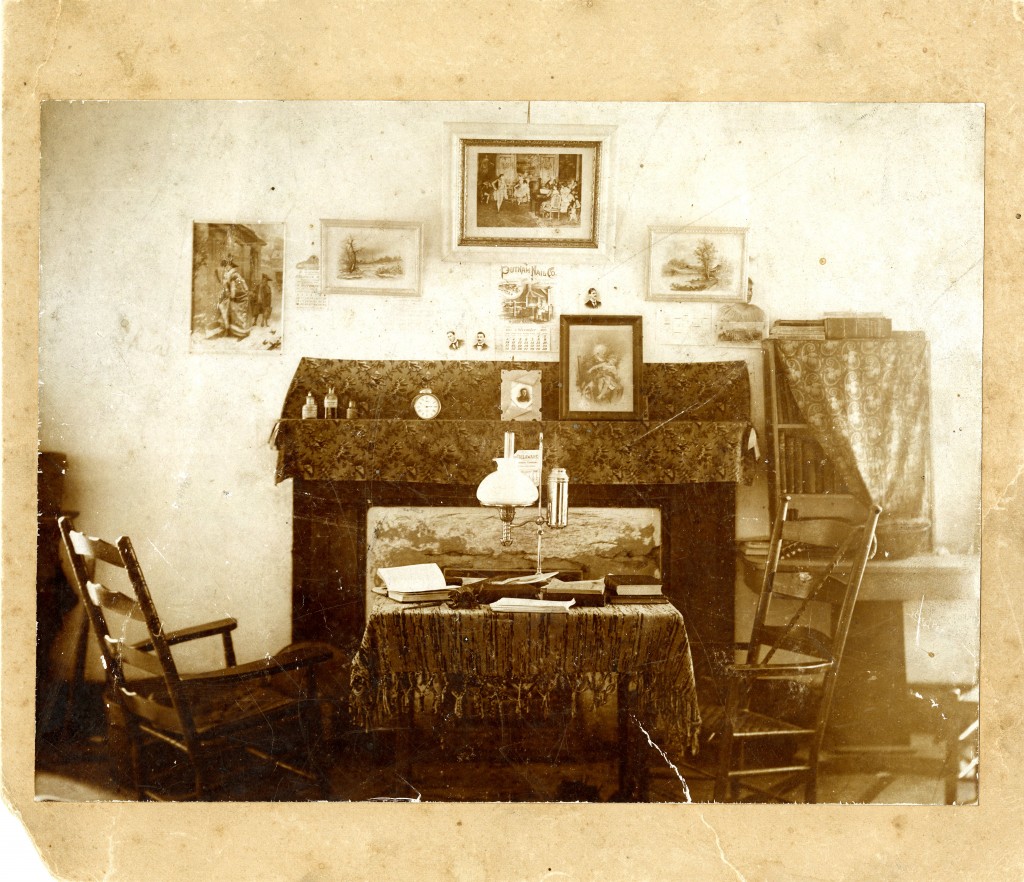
(262, 708)
(763, 741)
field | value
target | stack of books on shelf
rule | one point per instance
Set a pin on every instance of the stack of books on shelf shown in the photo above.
(813, 329)
(804, 467)
(623, 589)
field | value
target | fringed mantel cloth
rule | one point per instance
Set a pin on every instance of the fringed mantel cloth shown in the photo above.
(481, 663)
(463, 451)
(696, 428)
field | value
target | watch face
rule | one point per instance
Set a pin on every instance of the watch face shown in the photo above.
(426, 405)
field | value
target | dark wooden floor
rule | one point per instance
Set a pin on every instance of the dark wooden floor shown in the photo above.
(482, 764)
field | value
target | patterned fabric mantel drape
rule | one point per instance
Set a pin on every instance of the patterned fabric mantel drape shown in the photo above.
(868, 403)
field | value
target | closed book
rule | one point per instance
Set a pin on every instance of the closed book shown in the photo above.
(813, 328)
(585, 593)
(854, 326)
(417, 596)
(622, 600)
(631, 585)
(637, 590)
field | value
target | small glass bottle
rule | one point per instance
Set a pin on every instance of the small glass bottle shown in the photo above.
(350, 411)
(309, 408)
(330, 405)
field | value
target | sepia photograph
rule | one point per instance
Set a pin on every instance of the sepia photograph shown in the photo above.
(240, 600)
(375, 606)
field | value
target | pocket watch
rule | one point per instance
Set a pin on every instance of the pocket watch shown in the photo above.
(426, 404)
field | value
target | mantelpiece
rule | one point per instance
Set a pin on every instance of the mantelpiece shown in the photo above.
(462, 451)
(685, 458)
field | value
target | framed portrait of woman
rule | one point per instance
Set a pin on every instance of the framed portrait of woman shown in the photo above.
(601, 361)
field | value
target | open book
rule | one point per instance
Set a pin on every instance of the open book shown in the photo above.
(415, 582)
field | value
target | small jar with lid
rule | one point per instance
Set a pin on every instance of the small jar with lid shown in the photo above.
(309, 408)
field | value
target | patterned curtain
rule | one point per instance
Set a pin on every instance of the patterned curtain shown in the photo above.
(868, 403)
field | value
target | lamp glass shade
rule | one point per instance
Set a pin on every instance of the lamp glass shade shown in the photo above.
(507, 486)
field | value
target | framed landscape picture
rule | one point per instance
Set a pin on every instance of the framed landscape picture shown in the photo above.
(697, 263)
(601, 360)
(371, 257)
(529, 188)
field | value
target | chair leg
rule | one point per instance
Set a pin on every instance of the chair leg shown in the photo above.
(723, 790)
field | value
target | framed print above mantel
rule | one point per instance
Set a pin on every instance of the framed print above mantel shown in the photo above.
(371, 257)
(697, 263)
(601, 362)
(527, 192)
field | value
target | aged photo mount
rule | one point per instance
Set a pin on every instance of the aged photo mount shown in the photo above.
(371, 257)
(520, 395)
(529, 190)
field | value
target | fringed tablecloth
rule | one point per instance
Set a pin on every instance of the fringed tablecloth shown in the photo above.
(480, 662)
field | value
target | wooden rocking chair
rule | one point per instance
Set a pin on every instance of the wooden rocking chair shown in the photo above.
(210, 717)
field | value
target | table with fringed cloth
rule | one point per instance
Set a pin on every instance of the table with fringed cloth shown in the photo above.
(483, 663)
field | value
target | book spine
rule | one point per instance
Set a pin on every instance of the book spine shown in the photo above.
(851, 327)
(811, 467)
(798, 466)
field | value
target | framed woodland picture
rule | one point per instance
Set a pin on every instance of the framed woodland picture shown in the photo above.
(697, 263)
(371, 257)
(601, 361)
(529, 189)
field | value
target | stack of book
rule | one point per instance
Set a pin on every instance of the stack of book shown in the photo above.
(624, 589)
(813, 329)
(416, 583)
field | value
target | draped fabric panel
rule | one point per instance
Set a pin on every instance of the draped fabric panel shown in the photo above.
(482, 662)
(868, 403)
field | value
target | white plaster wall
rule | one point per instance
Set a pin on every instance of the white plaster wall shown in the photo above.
(862, 207)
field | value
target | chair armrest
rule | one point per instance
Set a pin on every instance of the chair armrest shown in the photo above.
(195, 632)
(291, 659)
(773, 671)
